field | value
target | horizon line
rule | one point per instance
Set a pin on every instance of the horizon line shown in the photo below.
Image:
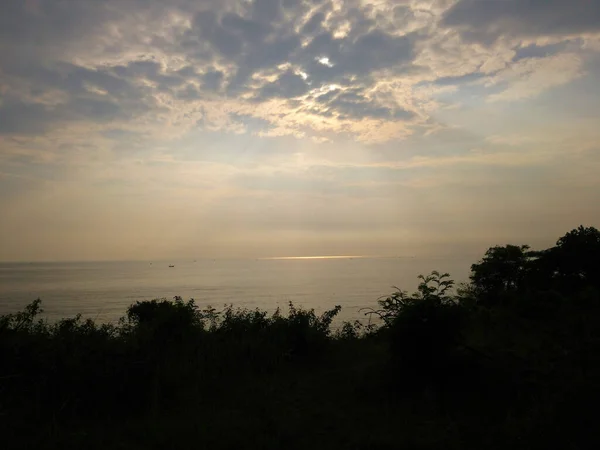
(230, 258)
(260, 258)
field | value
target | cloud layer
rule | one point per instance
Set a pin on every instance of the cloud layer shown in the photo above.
(291, 102)
(324, 66)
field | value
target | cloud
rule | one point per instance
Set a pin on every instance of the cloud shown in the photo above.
(186, 64)
(24, 118)
(355, 104)
(529, 77)
(485, 20)
(155, 54)
(287, 85)
(34, 118)
(314, 23)
(57, 95)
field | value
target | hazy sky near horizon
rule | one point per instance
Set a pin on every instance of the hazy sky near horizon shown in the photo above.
(146, 129)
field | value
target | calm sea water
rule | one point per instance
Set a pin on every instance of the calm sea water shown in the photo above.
(103, 290)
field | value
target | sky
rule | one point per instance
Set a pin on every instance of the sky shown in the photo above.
(148, 129)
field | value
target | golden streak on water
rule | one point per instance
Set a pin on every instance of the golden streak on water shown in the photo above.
(318, 257)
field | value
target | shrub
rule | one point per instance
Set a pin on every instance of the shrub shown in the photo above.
(424, 329)
(305, 334)
(163, 321)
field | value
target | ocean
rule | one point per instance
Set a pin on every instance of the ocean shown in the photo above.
(103, 290)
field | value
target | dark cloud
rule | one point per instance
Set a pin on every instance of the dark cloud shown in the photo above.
(314, 23)
(50, 29)
(485, 21)
(266, 38)
(248, 30)
(356, 16)
(403, 13)
(151, 71)
(272, 53)
(212, 80)
(27, 118)
(97, 109)
(291, 4)
(376, 50)
(187, 72)
(360, 56)
(189, 93)
(97, 95)
(221, 52)
(22, 118)
(68, 78)
(207, 26)
(539, 51)
(288, 85)
(266, 10)
(458, 80)
(265, 56)
(353, 104)
(45, 22)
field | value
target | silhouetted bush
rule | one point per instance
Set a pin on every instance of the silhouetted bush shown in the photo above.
(350, 331)
(425, 331)
(158, 356)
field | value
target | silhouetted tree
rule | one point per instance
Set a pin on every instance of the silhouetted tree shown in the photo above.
(574, 262)
(502, 270)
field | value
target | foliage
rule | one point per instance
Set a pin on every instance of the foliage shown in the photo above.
(433, 288)
(424, 328)
(22, 320)
(157, 357)
(573, 263)
(502, 270)
(350, 331)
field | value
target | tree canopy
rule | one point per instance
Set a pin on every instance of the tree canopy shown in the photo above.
(572, 264)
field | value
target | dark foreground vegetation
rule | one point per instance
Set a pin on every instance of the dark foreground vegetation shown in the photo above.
(509, 361)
